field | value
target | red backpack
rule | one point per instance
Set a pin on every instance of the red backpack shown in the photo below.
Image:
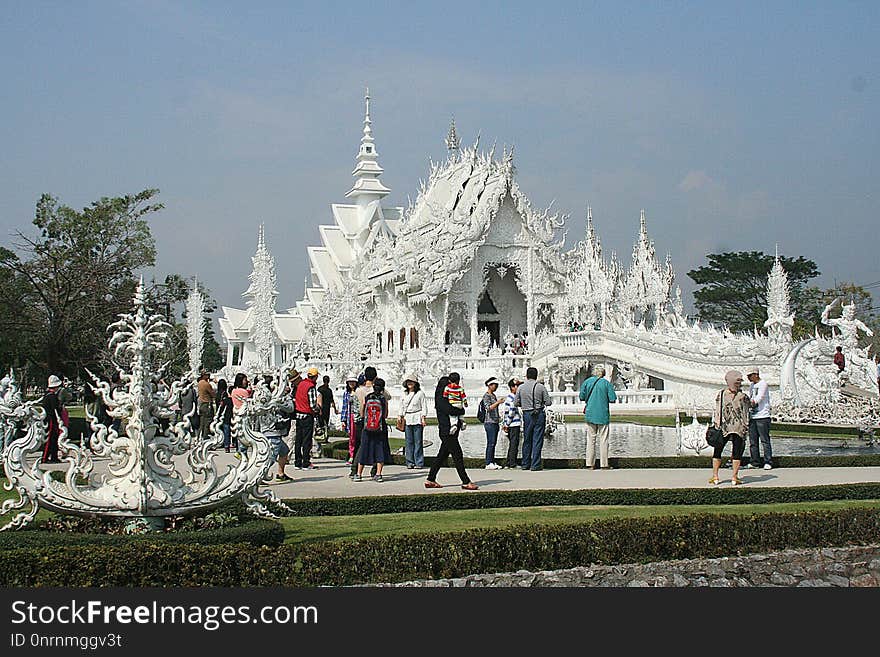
(374, 413)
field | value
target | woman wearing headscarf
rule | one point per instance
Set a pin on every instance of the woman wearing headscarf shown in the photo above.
(731, 415)
(448, 444)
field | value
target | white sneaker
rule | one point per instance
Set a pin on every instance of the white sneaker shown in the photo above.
(752, 466)
(767, 466)
(492, 466)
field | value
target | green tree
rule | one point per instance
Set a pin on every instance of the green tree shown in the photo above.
(73, 277)
(732, 288)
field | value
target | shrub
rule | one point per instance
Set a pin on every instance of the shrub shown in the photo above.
(400, 558)
(251, 532)
(350, 506)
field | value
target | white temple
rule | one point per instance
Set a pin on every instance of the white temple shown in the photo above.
(449, 281)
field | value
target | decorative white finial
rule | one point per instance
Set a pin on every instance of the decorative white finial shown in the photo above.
(452, 141)
(367, 121)
(367, 186)
(262, 294)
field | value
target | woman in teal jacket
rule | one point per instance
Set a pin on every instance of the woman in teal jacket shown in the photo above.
(598, 393)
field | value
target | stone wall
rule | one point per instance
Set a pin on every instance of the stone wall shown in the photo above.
(848, 566)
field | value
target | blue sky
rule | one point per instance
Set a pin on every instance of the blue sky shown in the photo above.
(735, 125)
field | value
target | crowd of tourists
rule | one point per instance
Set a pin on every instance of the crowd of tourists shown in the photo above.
(519, 413)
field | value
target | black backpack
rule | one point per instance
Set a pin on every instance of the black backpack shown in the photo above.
(481, 410)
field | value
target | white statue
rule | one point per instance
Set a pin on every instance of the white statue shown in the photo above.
(848, 325)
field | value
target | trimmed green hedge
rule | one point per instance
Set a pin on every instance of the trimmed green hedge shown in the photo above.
(339, 451)
(252, 532)
(400, 558)
(354, 506)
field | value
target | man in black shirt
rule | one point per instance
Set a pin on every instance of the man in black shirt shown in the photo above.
(327, 402)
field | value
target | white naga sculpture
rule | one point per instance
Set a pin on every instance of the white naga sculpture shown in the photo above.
(147, 475)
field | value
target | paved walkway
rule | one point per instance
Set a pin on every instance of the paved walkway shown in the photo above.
(331, 479)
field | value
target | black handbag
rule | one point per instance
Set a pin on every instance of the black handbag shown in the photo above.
(714, 435)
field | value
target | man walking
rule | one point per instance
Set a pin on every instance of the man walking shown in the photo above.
(308, 409)
(512, 422)
(274, 425)
(597, 393)
(532, 397)
(759, 420)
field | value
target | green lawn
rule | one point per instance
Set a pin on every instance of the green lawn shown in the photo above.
(340, 528)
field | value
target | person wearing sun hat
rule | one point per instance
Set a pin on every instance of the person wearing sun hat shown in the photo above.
(308, 408)
(491, 420)
(52, 406)
(414, 413)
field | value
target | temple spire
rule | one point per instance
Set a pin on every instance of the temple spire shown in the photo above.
(453, 144)
(367, 186)
(590, 232)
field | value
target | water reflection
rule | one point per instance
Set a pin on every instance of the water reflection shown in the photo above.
(639, 440)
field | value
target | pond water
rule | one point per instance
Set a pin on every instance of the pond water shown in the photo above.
(639, 440)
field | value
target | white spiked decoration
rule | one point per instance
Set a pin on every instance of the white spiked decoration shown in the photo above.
(779, 318)
(195, 327)
(146, 475)
(261, 296)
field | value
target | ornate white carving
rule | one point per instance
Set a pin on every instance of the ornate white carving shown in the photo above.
(847, 324)
(339, 327)
(146, 476)
(779, 318)
(195, 327)
(261, 295)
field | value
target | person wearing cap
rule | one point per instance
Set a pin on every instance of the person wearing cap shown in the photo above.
(349, 413)
(308, 408)
(759, 421)
(490, 404)
(511, 422)
(52, 406)
(731, 415)
(414, 413)
(598, 393)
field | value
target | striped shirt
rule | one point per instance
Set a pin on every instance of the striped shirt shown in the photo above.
(512, 416)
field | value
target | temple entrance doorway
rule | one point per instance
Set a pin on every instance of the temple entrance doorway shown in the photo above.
(501, 307)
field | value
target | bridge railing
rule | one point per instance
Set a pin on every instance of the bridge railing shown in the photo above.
(568, 401)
